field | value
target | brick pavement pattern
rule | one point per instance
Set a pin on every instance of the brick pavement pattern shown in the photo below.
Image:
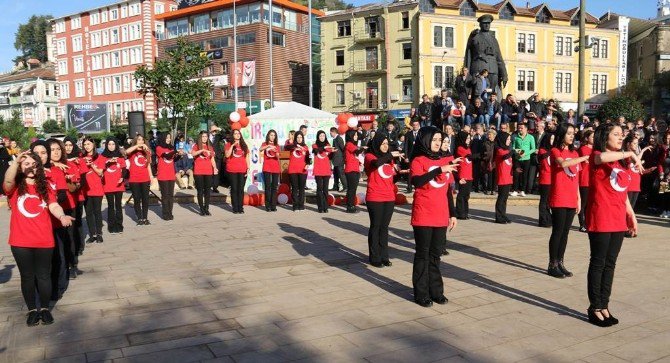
(291, 286)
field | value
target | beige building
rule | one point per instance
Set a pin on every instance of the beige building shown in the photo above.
(31, 92)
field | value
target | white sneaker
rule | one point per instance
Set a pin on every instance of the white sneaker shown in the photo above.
(514, 194)
(523, 194)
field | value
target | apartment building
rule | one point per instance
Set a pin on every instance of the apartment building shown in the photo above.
(31, 92)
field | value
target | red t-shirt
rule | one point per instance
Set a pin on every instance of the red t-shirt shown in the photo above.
(322, 163)
(351, 162)
(564, 191)
(545, 167)
(465, 166)
(79, 195)
(72, 174)
(139, 167)
(271, 160)
(202, 164)
(381, 187)
(56, 180)
(584, 174)
(606, 204)
(30, 220)
(296, 163)
(635, 177)
(112, 175)
(92, 181)
(166, 171)
(430, 208)
(503, 167)
(237, 162)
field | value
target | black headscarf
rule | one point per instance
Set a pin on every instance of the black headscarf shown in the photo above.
(349, 136)
(75, 149)
(462, 138)
(46, 146)
(376, 143)
(162, 137)
(295, 138)
(501, 140)
(319, 143)
(112, 154)
(546, 141)
(423, 141)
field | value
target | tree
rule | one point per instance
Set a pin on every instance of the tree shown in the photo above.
(638, 89)
(624, 106)
(14, 129)
(177, 82)
(52, 127)
(31, 39)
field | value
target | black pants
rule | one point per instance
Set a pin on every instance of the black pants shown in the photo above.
(530, 176)
(140, 199)
(79, 244)
(426, 275)
(322, 192)
(352, 182)
(487, 181)
(632, 198)
(35, 268)
(605, 247)
(114, 212)
(298, 182)
(545, 211)
(561, 221)
(270, 182)
(237, 181)
(70, 248)
(521, 179)
(501, 203)
(584, 195)
(93, 208)
(203, 187)
(59, 266)
(463, 200)
(378, 235)
(338, 174)
(216, 178)
(167, 197)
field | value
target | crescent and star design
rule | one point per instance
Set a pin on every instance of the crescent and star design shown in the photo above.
(616, 178)
(383, 173)
(21, 204)
(236, 154)
(568, 171)
(137, 162)
(433, 182)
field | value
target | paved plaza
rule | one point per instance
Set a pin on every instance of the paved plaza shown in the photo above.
(291, 286)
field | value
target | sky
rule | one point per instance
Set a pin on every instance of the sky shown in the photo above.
(17, 12)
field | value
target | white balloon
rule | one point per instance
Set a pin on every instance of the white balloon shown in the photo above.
(235, 116)
(252, 189)
(282, 199)
(352, 122)
(361, 197)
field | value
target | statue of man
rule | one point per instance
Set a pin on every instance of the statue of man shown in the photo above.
(483, 52)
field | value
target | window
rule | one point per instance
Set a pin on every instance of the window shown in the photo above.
(126, 83)
(344, 28)
(521, 43)
(559, 45)
(525, 80)
(603, 48)
(76, 43)
(105, 60)
(124, 33)
(339, 58)
(116, 84)
(61, 47)
(125, 57)
(108, 85)
(242, 13)
(135, 9)
(79, 88)
(98, 88)
(575, 19)
(443, 76)
(406, 50)
(521, 80)
(105, 38)
(116, 59)
(371, 58)
(598, 84)
(568, 82)
(217, 43)
(64, 91)
(200, 24)
(124, 12)
(96, 62)
(530, 82)
(95, 40)
(278, 38)
(405, 20)
(291, 20)
(559, 82)
(339, 91)
(443, 40)
(438, 74)
(564, 46)
(113, 14)
(95, 18)
(506, 13)
(543, 16)
(277, 19)
(449, 37)
(60, 26)
(103, 16)
(222, 19)
(526, 43)
(78, 65)
(437, 37)
(159, 8)
(372, 92)
(114, 35)
(255, 13)
(136, 56)
(175, 28)
(467, 9)
(407, 90)
(138, 105)
(75, 22)
(135, 31)
(246, 38)
(568, 46)
(224, 68)
(62, 67)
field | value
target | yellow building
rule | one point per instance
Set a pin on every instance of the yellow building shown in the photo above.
(537, 44)
(369, 59)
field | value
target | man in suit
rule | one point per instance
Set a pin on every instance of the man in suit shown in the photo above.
(477, 147)
(410, 137)
(217, 140)
(463, 86)
(337, 158)
(426, 111)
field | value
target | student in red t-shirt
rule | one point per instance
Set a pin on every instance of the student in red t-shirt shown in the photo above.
(609, 215)
(352, 168)
(322, 171)
(139, 156)
(72, 153)
(584, 175)
(297, 169)
(464, 152)
(432, 214)
(113, 183)
(271, 169)
(91, 174)
(204, 166)
(544, 161)
(237, 165)
(32, 203)
(503, 159)
(166, 173)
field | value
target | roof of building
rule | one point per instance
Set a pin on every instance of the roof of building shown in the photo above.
(526, 11)
(370, 7)
(220, 4)
(47, 72)
(92, 9)
(287, 111)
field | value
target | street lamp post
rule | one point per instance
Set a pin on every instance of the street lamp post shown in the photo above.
(582, 57)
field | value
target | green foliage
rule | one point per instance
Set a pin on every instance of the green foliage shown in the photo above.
(330, 4)
(14, 129)
(31, 40)
(638, 89)
(624, 106)
(72, 132)
(52, 127)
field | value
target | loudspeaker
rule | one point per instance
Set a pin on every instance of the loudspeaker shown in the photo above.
(135, 123)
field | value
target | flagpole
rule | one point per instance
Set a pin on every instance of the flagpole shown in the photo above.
(235, 53)
(311, 86)
(272, 86)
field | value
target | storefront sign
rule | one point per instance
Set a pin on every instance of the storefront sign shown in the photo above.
(623, 50)
(87, 118)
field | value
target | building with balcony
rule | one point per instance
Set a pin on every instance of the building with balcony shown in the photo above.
(210, 24)
(96, 52)
(31, 92)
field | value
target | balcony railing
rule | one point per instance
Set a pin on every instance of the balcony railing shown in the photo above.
(366, 68)
(17, 100)
(4, 101)
(369, 37)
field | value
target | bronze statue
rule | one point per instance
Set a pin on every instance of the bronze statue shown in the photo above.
(483, 52)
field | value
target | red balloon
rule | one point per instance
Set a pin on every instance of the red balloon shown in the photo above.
(246, 200)
(342, 118)
(331, 199)
(356, 200)
(342, 128)
(338, 200)
(235, 126)
(242, 112)
(283, 189)
(395, 189)
(400, 199)
(244, 121)
(261, 198)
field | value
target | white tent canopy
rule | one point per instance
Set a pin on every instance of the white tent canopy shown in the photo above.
(291, 111)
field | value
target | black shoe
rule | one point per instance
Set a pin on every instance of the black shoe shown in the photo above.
(274, 209)
(91, 239)
(461, 218)
(72, 273)
(268, 209)
(508, 221)
(33, 318)
(593, 319)
(442, 300)
(426, 303)
(445, 252)
(554, 271)
(544, 225)
(47, 318)
(146, 222)
(501, 222)
(325, 210)
(140, 222)
(99, 239)
(564, 270)
(352, 210)
(611, 319)
(377, 264)
(387, 263)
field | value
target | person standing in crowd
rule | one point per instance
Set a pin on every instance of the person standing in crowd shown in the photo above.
(493, 111)
(457, 114)
(585, 149)
(537, 107)
(184, 164)
(271, 169)
(322, 172)
(204, 166)
(14, 149)
(431, 177)
(289, 139)
(476, 113)
(352, 168)
(664, 174)
(410, 138)
(237, 166)
(91, 171)
(337, 158)
(138, 155)
(482, 87)
(426, 111)
(511, 111)
(503, 160)
(463, 86)
(380, 197)
(487, 163)
(72, 152)
(544, 161)
(440, 103)
(631, 143)
(31, 201)
(114, 166)
(217, 140)
(166, 155)
(564, 199)
(464, 152)
(609, 215)
(524, 145)
(297, 169)
(5, 159)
